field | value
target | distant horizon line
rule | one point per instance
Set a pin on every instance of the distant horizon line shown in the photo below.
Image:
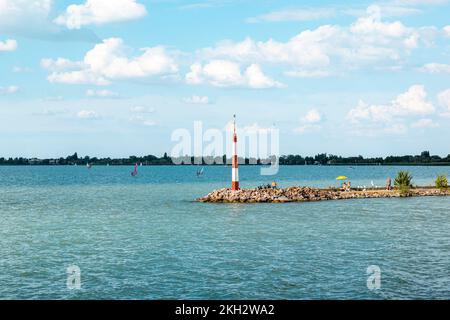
(424, 158)
(443, 155)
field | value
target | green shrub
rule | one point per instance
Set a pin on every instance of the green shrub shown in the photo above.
(403, 182)
(442, 182)
(403, 179)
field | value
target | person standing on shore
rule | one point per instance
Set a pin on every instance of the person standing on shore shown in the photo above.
(388, 183)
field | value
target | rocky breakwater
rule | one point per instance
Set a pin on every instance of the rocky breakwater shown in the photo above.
(300, 194)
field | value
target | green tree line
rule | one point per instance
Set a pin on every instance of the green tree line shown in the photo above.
(320, 159)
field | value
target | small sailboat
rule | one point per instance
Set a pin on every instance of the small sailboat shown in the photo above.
(135, 171)
(88, 165)
(200, 172)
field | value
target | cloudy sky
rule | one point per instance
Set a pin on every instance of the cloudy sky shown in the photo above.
(117, 77)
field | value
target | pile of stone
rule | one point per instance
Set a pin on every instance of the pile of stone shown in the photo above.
(299, 194)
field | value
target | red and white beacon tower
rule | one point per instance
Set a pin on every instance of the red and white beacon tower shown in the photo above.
(234, 174)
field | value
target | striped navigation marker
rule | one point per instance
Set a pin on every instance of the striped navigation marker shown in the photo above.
(235, 174)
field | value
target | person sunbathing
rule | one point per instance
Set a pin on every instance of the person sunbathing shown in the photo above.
(346, 186)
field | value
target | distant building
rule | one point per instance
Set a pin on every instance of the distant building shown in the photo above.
(34, 161)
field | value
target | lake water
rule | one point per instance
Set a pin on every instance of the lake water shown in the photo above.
(145, 238)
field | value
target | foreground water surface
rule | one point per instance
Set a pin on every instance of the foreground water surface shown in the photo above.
(145, 237)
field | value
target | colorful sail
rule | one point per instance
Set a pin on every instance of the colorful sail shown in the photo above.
(135, 171)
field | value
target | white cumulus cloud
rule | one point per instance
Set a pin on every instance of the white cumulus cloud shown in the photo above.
(310, 122)
(368, 41)
(101, 93)
(9, 89)
(444, 101)
(14, 12)
(436, 68)
(100, 12)
(305, 14)
(87, 114)
(78, 77)
(19, 69)
(424, 123)
(60, 64)
(141, 120)
(141, 109)
(197, 99)
(109, 61)
(312, 116)
(411, 102)
(447, 30)
(307, 128)
(8, 45)
(32, 19)
(224, 73)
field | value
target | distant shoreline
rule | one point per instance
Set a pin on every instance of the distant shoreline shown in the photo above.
(445, 164)
(324, 159)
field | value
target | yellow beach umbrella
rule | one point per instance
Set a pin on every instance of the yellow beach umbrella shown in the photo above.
(341, 178)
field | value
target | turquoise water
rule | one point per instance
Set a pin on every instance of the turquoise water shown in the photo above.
(144, 237)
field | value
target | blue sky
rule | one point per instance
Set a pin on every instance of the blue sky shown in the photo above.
(116, 78)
